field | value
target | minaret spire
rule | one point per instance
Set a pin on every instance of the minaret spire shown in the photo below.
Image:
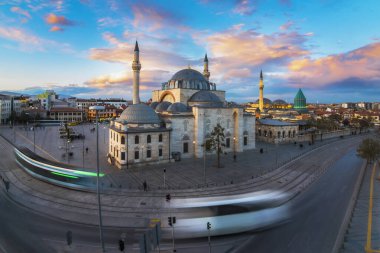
(206, 73)
(136, 66)
(261, 92)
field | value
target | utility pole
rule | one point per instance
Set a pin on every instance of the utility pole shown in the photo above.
(209, 236)
(97, 108)
(164, 178)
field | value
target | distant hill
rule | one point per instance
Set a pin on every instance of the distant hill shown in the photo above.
(9, 93)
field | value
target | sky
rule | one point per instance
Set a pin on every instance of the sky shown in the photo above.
(84, 48)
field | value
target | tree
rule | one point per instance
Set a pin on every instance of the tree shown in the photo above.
(369, 149)
(216, 141)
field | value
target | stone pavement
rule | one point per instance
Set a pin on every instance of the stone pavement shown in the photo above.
(363, 233)
(188, 173)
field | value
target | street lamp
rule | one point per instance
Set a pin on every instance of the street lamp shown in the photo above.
(234, 149)
(98, 108)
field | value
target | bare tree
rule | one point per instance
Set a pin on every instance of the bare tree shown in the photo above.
(216, 141)
(369, 149)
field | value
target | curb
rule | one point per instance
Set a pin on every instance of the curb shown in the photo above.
(346, 220)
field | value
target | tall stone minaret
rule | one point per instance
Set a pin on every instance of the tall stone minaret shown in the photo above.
(206, 73)
(136, 66)
(261, 92)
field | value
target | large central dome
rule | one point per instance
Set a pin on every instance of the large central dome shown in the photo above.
(188, 74)
(188, 79)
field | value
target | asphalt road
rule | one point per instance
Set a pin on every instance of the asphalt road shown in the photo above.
(318, 213)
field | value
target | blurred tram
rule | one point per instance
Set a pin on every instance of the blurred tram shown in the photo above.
(61, 174)
(228, 214)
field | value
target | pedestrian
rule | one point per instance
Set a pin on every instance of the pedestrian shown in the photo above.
(86, 149)
(234, 157)
(145, 186)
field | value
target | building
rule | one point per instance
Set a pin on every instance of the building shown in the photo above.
(5, 108)
(109, 112)
(276, 131)
(179, 120)
(67, 114)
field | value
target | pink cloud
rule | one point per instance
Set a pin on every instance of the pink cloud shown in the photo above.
(363, 63)
(244, 7)
(22, 12)
(152, 17)
(30, 42)
(287, 26)
(53, 19)
(236, 49)
(56, 29)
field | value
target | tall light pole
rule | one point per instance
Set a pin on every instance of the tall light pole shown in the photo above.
(98, 108)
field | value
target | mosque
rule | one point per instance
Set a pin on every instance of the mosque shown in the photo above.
(179, 120)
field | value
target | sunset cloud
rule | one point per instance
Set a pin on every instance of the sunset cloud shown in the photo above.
(237, 48)
(56, 29)
(53, 19)
(363, 63)
(244, 7)
(30, 42)
(22, 12)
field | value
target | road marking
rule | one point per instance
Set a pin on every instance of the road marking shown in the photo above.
(368, 246)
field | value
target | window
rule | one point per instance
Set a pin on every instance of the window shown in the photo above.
(160, 152)
(227, 142)
(246, 140)
(117, 138)
(137, 154)
(148, 153)
(160, 138)
(283, 134)
(122, 140)
(270, 134)
(185, 147)
(123, 156)
(259, 132)
(279, 135)
(148, 139)
(289, 134)
(137, 140)
(294, 133)
(265, 133)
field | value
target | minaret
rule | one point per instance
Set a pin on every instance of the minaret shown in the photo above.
(206, 73)
(261, 92)
(136, 66)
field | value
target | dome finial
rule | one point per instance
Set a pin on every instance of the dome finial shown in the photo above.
(205, 60)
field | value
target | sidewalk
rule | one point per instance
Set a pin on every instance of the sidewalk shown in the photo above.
(363, 233)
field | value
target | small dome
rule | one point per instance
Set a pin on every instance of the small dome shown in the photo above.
(139, 114)
(153, 105)
(163, 106)
(178, 107)
(279, 102)
(266, 101)
(204, 96)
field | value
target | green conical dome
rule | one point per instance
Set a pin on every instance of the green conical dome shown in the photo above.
(300, 101)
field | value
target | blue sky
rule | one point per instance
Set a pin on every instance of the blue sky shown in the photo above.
(331, 49)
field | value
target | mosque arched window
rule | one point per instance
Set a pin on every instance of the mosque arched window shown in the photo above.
(278, 135)
(185, 123)
(160, 138)
(137, 139)
(294, 133)
(148, 139)
(259, 132)
(283, 134)
(289, 134)
(265, 133)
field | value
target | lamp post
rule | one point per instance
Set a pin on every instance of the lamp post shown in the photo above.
(234, 149)
(98, 108)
